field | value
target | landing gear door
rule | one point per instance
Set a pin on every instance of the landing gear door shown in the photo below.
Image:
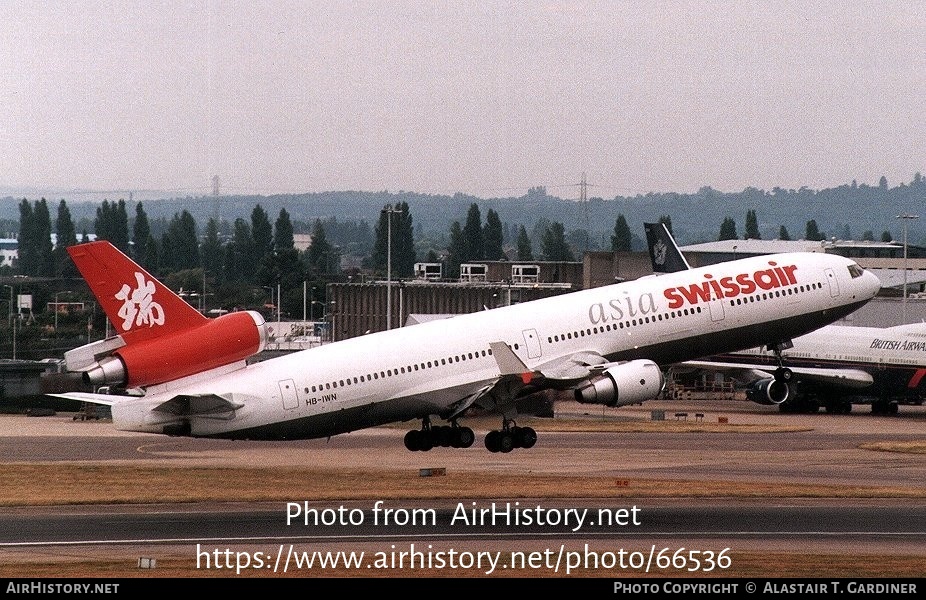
(288, 394)
(834, 283)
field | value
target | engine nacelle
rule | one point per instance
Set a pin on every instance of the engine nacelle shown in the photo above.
(217, 342)
(626, 383)
(768, 391)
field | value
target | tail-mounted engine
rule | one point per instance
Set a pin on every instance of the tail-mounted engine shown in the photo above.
(622, 384)
(215, 343)
(768, 391)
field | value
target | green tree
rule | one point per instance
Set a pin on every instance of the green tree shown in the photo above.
(112, 224)
(524, 245)
(493, 237)
(239, 254)
(555, 247)
(287, 269)
(152, 260)
(319, 254)
(868, 236)
(727, 230)
(886, 236)
(783, 234)
(166, 263)
(403, 243)
(283, 232)
(45, 259)
(65, 236)
(398, 220)
(812, 232)
(455, 250)
(184, 242)
(141, 233)
(120, 231)
(27, 250)
(752, 226)
(621, 240)
(262, 232)
(473, 242)
(212, 252)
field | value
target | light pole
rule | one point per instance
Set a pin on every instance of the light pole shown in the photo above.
(906, 218)
(312, 307)
(320, 303)
(389, 210)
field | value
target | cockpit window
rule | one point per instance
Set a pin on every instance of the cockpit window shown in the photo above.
(855, 271)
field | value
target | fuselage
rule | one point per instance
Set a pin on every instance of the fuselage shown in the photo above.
(428, 369)
(894, 356)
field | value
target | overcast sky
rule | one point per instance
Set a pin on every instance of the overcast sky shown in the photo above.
(486, 98)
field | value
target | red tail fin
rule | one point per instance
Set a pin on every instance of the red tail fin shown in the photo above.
(139, 306)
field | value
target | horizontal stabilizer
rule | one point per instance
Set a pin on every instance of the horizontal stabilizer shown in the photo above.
(104, 399)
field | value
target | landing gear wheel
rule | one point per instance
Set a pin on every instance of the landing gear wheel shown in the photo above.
(505, 442)
(463, 437)
(413, 440)
(443, 436)
(493, 444)
(526, 437)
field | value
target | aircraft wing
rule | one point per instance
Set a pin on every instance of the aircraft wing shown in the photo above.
(573, 367)
(565, 369)
(747, 373)
(515, 377)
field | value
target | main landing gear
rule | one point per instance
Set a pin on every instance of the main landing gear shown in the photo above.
(452, 436)
(782, 374)
(510, 437)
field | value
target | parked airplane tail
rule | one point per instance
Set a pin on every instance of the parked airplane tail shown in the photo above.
(663, 251)
(160, 336)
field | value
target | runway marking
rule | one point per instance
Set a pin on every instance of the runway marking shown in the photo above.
(173, 450)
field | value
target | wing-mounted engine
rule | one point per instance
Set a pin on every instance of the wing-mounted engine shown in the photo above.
(622, 384)
(768, 391)
(211, 344)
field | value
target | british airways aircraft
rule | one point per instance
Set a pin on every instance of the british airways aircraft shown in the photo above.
(180, 373)
(834, 367)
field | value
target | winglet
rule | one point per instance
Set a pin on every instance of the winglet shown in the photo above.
(663, 251)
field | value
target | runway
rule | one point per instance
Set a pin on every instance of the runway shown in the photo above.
(794, 449)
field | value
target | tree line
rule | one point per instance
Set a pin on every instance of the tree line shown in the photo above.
(259, 252)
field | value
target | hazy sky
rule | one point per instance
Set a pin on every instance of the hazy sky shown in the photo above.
(487, 98)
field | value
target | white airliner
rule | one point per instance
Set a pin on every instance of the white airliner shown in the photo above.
(185, 374)
(833, 367)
